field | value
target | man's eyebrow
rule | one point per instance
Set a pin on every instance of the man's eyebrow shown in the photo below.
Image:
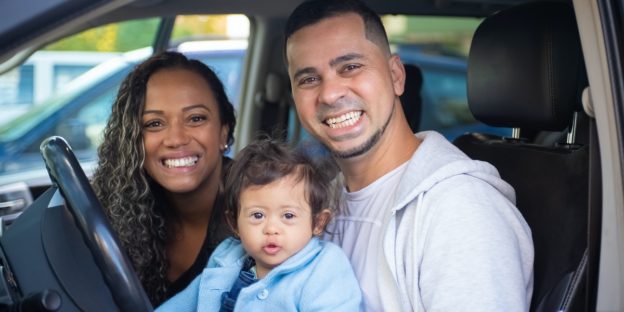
(345, 58)
(341, 59)
(303, 71)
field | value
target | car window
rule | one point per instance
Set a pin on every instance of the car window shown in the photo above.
(446, 91)
(77, 95)
(439, 47)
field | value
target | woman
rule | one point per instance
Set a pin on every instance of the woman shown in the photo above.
(160, 169)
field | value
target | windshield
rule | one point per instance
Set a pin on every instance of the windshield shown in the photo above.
(70, 93)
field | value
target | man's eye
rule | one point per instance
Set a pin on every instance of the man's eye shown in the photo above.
(351, 67)
(308, 80)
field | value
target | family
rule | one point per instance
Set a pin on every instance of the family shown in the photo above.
(409, 224)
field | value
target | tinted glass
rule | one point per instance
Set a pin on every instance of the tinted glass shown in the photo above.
(439, 47)
(80, 93)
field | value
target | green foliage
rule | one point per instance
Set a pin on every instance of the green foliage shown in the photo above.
(116, 37)
(450, 34)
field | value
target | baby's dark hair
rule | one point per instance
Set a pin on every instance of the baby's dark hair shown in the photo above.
(267, 160)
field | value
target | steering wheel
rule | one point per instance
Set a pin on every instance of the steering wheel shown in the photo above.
(119, 275)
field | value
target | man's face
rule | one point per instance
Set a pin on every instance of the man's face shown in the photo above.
(344, 86)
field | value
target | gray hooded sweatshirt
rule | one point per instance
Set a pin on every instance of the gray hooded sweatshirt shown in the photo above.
(453, 238)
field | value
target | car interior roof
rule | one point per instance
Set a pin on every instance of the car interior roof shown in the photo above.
(119, 10)
(283, 8)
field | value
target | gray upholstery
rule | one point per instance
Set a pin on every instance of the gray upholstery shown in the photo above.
(411, 99)
(526, 71)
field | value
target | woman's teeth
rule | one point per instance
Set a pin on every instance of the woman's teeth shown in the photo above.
(180, 162)
(345, 120)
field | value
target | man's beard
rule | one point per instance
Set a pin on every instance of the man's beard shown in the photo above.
(366, 146)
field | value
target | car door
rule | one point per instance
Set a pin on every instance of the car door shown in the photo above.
(67, 87)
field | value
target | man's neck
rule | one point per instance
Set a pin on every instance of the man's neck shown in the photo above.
(396, 146)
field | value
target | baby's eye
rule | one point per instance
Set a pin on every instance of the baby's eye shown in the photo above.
(289, 215)
(257, 215)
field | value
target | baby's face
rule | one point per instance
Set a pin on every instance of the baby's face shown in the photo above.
(274, 222)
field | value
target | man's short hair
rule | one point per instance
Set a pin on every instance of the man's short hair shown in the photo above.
(312, 12)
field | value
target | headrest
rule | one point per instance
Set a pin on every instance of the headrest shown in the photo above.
(525, 67)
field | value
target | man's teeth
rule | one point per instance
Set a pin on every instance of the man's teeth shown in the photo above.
(180, 162)
(345, 120)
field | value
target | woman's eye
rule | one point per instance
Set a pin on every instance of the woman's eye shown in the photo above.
(197, 118)
(152, 124)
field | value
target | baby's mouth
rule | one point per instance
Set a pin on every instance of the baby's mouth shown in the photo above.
(271, 249)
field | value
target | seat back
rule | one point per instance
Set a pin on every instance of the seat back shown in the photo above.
(525, 71)
(411, 99)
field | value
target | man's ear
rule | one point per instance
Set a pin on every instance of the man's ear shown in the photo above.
(320, 221)
(398, 74)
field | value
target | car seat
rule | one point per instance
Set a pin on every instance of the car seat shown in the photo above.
(526, 71)
(411, 99)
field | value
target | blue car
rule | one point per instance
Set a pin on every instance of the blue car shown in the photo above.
(444, 106)
(81, 111)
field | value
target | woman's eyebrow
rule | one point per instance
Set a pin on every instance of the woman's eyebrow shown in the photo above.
(192, 107)
(153, 111)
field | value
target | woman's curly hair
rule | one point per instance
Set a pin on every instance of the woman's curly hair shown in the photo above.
(128, 195)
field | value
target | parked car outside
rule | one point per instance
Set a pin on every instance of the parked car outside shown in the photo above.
(80, 112)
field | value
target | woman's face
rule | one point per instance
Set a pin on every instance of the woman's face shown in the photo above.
(182, 133)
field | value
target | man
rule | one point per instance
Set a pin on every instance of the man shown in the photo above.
(425, 227)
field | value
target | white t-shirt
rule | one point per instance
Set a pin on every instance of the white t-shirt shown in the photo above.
(358, 229)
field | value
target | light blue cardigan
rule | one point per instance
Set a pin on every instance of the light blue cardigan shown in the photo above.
(317, 278)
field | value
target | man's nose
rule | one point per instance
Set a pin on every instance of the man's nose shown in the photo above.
(332, 89)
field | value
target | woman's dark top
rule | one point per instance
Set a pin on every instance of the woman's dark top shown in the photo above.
(218, 230)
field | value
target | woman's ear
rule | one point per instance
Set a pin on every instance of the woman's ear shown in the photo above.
(320, 221)
(225, 130)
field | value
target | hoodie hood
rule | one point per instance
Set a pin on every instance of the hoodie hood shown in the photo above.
(437, 159)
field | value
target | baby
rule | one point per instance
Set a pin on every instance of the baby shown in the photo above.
(276, 201)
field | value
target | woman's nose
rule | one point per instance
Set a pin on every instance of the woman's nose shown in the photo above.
(176, 135)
